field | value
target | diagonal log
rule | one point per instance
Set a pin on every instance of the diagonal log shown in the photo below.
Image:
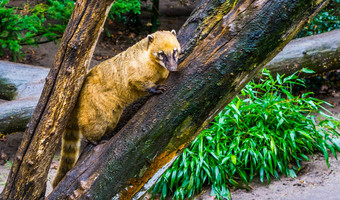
(231, 47)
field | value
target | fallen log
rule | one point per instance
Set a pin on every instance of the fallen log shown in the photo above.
(16, 114)
(24, 85)
(320, 53)
(27, 80)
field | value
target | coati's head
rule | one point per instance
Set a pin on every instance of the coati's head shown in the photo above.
(164, 48)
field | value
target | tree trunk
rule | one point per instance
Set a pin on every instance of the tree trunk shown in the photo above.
(320, 53)
(27, 179)
(155, 16)
(222, 52)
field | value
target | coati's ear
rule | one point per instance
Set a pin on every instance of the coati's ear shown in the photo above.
(173, 32)
(150, 39)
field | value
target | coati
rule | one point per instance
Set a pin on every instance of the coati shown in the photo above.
(111, 86)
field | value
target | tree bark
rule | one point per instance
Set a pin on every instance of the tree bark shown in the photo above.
(320, 53)
(27, 179)
(222, 52)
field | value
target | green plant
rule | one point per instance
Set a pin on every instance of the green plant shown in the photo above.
(12, 27)
(54, 10)
(9, 164)
(28, 26)
(265, 131)
(45, 22)
(126, 12)
(326, 20)
(121, 7)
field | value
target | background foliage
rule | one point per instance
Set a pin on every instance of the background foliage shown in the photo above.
(45, 22)
(28, 25)
(121, 7)
(326, 20)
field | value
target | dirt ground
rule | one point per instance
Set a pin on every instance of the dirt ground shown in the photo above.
(314, 181)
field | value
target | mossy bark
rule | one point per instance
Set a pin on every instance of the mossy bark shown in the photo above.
(227, 52)
(27, 179)
(7, 89)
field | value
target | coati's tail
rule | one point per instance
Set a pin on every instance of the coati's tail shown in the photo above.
(69, 154)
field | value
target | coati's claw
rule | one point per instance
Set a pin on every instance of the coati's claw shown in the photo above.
(91, 142)
(158, 89)
(161, 88)
(103, 141)
(94, 143)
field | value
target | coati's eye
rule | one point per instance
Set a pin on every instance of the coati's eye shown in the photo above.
(162, 56)
(160, 53)
(175, 52)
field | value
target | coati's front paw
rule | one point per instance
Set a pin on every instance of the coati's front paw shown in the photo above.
(94, 143)
(158, 89)
(103, 141)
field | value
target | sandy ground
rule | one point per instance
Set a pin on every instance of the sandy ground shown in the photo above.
(315, 181)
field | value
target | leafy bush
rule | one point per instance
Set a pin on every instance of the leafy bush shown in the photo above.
(126, 12)
(31, 24)
(59, 11)
(12, 26)
(326, 20)
(121, 7)
(28, 26)
(265, 131)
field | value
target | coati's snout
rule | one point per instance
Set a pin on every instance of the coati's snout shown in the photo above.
(172, 67)
(169, 61)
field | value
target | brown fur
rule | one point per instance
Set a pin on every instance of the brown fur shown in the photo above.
(111, 86)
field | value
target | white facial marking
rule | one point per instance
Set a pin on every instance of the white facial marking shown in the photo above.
(162, 64)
